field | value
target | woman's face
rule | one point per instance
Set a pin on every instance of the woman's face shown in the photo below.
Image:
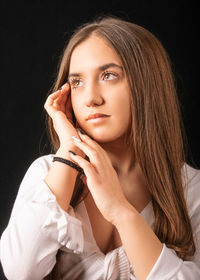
(99, 86)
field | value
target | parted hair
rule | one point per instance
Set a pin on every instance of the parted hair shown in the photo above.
(157, 135)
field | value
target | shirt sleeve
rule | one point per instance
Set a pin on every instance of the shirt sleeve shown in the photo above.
(169, 265)
(37, 228)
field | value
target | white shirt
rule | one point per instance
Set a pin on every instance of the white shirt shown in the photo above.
(38, 227)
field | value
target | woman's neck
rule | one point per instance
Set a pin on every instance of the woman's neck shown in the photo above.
(121, 156)
(129, 173)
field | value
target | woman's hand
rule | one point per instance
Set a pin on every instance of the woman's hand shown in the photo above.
(58, 106)
(101, 178)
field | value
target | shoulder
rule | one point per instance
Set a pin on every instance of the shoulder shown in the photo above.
(42, 163)
(191, 182)
(38, 169)
(45, 160)
(34, 176)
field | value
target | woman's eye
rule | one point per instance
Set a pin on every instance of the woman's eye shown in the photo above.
(76, 83)
(109, 76)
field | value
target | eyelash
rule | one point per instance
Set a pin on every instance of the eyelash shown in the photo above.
(74, 80)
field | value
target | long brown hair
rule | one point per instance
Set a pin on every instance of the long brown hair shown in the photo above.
(157, 134)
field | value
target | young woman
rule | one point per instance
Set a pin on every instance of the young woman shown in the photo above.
(116, 199)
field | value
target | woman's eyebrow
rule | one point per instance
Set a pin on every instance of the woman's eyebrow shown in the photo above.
(109, 65)
(100, 68)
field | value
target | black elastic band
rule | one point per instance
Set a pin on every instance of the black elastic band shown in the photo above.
(68, 162)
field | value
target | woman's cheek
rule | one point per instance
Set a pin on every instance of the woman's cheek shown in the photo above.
(75, 105)
(79, 114)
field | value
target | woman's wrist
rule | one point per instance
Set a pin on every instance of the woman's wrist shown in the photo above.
(63, 151)
(125, 214)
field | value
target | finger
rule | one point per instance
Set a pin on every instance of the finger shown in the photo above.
(83, 136)
(49, 103)
(58, 93)
(56, 99)
(64, 93)
(92, 143)
(87, 167)
(64, 87)
(93, 155)
(60, 102)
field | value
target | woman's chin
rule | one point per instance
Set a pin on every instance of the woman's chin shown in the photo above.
(104, 135)
(104, 138)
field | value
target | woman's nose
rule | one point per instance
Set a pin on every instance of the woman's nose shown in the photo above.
(93, 96)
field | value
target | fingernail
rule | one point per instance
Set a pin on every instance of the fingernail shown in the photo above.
(71, 152)
(81, 131)
(63, 86)
(60, 88)
(76, 139)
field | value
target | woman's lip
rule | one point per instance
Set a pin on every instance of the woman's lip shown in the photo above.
(96, 116)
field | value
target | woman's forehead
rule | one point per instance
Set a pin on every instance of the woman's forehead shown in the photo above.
(93, 53)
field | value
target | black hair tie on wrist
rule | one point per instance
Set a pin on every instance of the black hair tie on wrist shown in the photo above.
(68, 162)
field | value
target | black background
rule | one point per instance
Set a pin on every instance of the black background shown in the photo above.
(33, 35)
